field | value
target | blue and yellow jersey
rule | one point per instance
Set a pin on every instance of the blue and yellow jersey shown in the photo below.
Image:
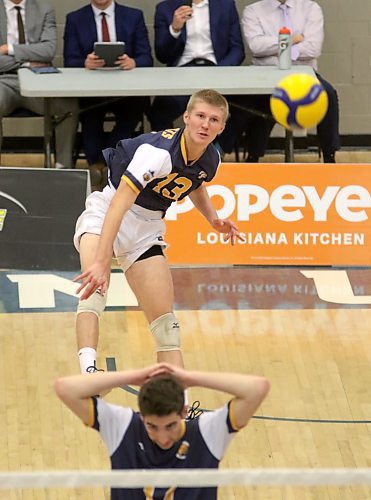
(156, 167)
(202, 443)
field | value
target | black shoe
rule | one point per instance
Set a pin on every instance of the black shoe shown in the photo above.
(329, 158)
(194, 411)
(252, 158)
(93, 369)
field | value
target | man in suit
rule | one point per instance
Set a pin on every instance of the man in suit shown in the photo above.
(106, 20)
(28, 38)
(261, 22)
(207, 33)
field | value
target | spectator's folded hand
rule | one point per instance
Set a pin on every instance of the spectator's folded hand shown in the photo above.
(92, 61)
(125, 62)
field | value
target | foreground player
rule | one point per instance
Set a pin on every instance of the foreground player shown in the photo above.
(146, 175)
(158, 437)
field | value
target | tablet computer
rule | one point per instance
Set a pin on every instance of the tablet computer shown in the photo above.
(109, 51)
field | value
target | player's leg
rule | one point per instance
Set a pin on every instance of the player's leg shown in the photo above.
(10, 97)
(151, 281)
(88, 311)
(328, 128)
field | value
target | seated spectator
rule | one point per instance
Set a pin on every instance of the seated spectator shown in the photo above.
(106, 20)
(28, 38)
(206, 34)
(261, 22)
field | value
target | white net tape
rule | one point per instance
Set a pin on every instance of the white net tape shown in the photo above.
(186, 478)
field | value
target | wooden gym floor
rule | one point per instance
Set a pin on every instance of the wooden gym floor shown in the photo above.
(264, 320)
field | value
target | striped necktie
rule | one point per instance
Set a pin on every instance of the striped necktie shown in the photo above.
(287, 22)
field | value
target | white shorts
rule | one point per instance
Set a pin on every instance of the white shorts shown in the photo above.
(140, 228)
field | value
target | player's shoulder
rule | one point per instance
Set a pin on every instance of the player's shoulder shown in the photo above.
(163, 139)
(210, 160)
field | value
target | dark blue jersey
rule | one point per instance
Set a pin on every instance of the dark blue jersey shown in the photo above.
(201, 445)
(155, 165)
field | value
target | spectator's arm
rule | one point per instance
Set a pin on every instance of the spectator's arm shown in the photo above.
(44, 49)
(236, 51)
(260, 44)
(142, 48)
(73, 56)
(167, 48)
(311, 46)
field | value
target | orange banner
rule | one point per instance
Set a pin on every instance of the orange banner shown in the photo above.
(290, 214)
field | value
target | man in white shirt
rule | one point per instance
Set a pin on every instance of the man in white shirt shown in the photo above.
(202, 33)
(261, 22)
(28, 38)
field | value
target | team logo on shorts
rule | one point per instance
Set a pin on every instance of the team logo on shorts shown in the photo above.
(148, 175)
(202, 175)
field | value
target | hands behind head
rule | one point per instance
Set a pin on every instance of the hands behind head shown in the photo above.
(144, 374)
(229, 228)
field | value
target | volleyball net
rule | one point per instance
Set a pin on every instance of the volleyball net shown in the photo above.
(186, 478)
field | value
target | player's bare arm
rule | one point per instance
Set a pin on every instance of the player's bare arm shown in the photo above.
(98, 275)
(76, 390)
(202, 202)
(248, 390)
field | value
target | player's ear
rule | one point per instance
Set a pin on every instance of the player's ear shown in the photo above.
(186, 117)
(222, 128)
(184, 411)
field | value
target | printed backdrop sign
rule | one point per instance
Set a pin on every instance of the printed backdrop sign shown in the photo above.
(38, 212)
(288, 214)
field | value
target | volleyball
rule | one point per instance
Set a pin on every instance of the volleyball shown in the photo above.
(299, 101)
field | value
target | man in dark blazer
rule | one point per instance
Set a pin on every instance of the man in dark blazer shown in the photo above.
(34, 47)
(205, 33)
(84, 27)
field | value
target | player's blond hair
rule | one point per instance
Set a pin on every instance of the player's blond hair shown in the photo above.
(211, 97)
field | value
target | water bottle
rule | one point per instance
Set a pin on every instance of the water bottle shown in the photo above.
(284, 48)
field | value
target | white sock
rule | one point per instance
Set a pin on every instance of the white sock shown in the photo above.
(87, 357)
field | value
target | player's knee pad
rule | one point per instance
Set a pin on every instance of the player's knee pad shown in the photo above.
(94, 304)
(166, 331)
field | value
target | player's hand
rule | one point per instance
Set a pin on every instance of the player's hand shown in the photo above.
(125, 62)
(92, 61)
(181, 16)
(181, 374)
(142, 375)
(96, 276)
(229, 228)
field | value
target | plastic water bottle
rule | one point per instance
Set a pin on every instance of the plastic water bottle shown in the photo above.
(284, 48)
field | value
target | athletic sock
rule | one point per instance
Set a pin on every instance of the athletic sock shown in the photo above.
(87, 358)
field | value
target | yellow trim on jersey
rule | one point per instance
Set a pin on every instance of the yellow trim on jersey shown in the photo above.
(232, 416)
(90, 421)
(183, 148)
(130, 184)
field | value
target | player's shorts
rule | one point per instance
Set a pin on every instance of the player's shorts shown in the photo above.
(140, 228)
